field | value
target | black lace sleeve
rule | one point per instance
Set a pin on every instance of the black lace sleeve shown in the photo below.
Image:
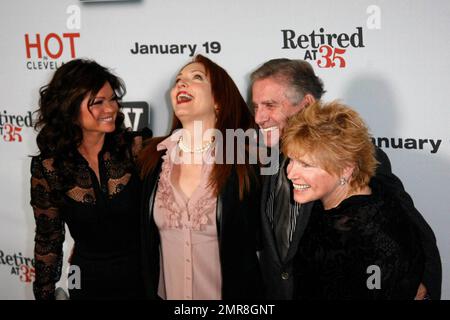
(49, 231)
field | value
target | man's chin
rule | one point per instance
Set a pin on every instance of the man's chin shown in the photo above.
(271, 139)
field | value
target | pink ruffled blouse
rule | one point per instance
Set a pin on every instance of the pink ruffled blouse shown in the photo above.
(190, 262)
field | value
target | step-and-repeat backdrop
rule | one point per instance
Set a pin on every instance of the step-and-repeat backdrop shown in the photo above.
(387, 59)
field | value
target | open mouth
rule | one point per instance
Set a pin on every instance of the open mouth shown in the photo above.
(106, 119)
(183, 97)
(269, 129)
(301, 186)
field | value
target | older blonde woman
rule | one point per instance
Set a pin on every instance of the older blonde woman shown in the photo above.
(359, 243)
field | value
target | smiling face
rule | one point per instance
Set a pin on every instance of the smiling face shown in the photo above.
(99, 115)
(192, 98)
(311, 182)
(272, 108)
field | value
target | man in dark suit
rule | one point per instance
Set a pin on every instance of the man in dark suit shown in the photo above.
(280, 89)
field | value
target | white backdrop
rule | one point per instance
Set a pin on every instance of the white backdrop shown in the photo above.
(396, 75)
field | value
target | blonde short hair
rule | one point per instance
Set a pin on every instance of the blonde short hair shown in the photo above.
(334, 136)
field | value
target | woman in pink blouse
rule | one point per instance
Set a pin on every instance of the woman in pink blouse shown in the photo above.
(200, 214)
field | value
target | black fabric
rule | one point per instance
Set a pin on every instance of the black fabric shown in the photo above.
(103, 219)
(278, 274)
(340, 244)
(237, 226)
(282, 222)
(385, 181)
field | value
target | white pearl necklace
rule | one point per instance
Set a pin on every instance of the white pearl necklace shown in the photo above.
(201, 149)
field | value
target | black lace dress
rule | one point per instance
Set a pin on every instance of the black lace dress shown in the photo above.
(103, 219)
(342, 248)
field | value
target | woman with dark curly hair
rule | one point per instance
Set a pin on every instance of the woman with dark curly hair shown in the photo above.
(84, 176)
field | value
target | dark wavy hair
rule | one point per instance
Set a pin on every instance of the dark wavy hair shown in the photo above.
(60, 134)
(233, 113)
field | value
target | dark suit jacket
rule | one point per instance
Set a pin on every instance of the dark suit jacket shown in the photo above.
(432, 277)
(278, 274)
(237, 227)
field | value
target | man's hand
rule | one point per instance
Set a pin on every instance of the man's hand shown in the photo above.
(421, 292)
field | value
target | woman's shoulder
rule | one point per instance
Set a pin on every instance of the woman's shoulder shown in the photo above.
(394, 211)
(41, 163)
(43, 173)
(384, 216)
(354, 214)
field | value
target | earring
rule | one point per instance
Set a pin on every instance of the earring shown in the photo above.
(342, 181)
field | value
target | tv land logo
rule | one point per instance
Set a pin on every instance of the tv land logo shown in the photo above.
(327, 49)
(20, 266)
(137, 114)
(11, 126)
(45, 51)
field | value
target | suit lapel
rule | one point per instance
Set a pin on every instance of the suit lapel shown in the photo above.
(302, 222)
(271, 186)
(266, 224)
